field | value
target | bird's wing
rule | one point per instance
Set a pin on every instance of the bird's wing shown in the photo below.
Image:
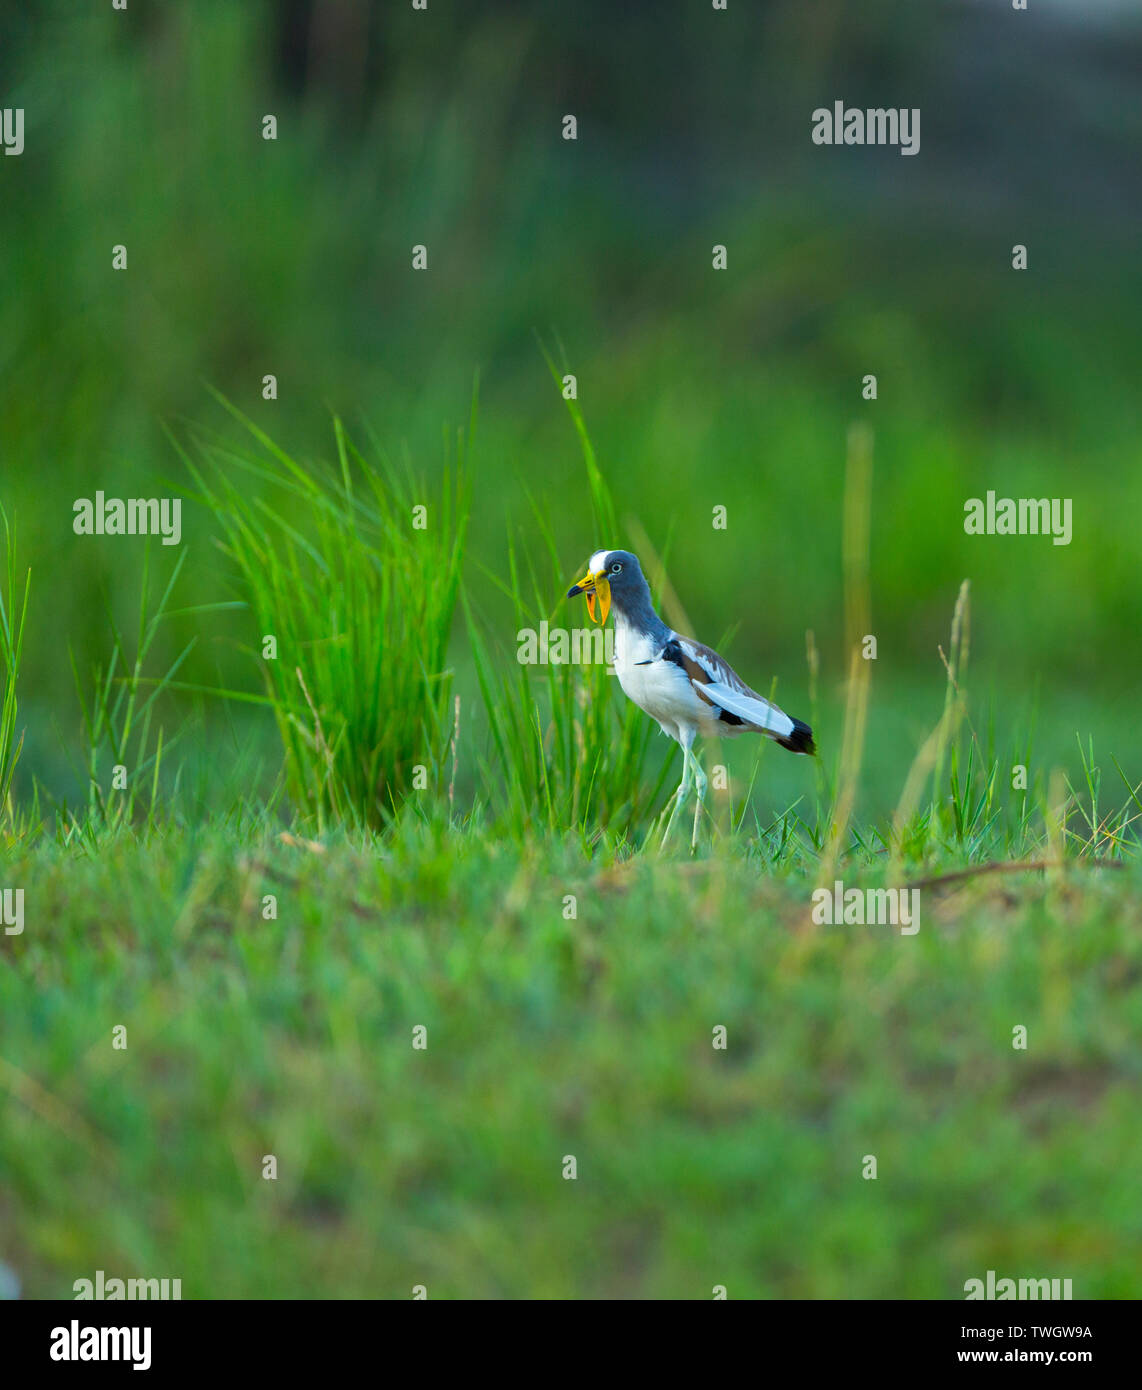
(717, 682)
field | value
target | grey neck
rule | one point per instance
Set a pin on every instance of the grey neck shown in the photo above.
(636, 611)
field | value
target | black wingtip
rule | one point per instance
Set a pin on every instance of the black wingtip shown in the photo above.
(800, 740)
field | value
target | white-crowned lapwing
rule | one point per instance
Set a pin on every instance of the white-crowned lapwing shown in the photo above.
(682, 684)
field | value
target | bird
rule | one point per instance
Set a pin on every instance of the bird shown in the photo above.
(684, 685)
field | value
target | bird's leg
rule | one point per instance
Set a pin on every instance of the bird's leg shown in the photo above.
(681, 794)
(700, 786)
(684, 790)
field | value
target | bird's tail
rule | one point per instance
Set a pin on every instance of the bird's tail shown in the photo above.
(800, 740)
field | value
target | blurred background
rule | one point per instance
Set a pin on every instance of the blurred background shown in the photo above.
(700, 388)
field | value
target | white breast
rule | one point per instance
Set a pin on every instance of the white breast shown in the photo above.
(660, 688)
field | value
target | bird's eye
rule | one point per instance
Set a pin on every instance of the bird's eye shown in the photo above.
(616, 568)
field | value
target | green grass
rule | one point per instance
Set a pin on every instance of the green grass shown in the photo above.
(13, 618)
(352, 575)
(270, 955)
(446, 905)
(548, 1037)
(122, 738)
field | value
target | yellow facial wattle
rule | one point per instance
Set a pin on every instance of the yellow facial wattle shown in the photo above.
(602, 593)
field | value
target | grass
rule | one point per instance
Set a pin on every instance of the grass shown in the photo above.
(13, 618)
(272, 958)
(123, 744)
(352, 575)
(547, 1037)
(271, 902)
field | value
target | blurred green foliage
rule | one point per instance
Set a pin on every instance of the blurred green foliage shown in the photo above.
(701, 388)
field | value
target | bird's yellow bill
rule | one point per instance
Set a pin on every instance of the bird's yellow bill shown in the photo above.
(596, 587)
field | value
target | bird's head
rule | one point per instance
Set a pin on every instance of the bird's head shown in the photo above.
(609, 573)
